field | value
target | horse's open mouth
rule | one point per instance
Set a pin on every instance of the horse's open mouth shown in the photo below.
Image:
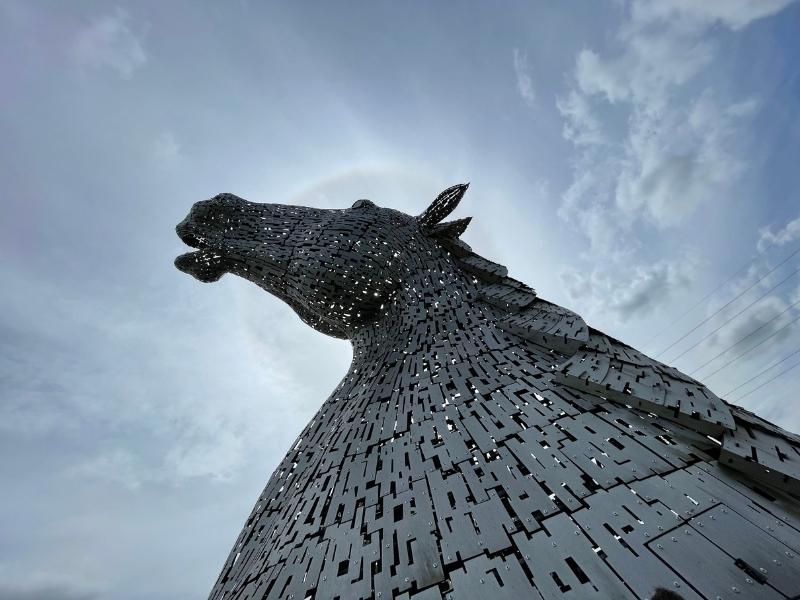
(204, 264)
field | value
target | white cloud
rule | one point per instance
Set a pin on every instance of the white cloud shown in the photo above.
(653, 142)
(117, 465)
(785, 235)
(217, 456)
(679, 159)
(672, 149)
(650, 65)
(732, 13)
(751, 327)
(582, 127)
(524, 81)
(109, 41)
(764, 319)
(631, 294)
(652, 285)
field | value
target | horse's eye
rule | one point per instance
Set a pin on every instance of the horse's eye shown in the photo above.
(362, 204)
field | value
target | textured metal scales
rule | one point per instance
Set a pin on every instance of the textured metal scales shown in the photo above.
(486, 443)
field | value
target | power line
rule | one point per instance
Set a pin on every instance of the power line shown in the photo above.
(699, 302)
(766, 339)
(756, 301)
(760, 373)
(724, 306)
(741, 339)
(758, 387)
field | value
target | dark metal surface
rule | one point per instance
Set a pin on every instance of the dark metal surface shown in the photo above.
(486, 443)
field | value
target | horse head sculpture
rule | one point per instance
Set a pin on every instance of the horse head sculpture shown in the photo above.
(486, 442)
(335, 268)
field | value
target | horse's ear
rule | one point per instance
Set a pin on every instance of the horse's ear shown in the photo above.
(444, 204)
(450, 229)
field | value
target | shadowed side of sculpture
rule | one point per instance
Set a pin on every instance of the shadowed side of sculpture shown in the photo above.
(485, 442)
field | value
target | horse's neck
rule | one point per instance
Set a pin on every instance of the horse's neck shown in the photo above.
(435, 319)
(435, 344)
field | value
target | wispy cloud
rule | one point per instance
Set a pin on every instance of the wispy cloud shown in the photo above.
(524, 81)
(110, 41)
(645, 289)
(85, 338)
(652, 141)
(732, 13)
(768, 321)
(582, 126)
(752, 320)
(782, 236)
(673, 151)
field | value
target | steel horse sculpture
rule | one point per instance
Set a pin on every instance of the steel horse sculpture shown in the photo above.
(486, 443)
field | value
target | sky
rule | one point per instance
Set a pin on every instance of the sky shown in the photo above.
(626, 159)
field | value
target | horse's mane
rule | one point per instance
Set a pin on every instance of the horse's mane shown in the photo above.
(558, 329)
(522, 312)
(590, 361)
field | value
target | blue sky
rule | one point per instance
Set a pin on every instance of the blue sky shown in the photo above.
(625, 159)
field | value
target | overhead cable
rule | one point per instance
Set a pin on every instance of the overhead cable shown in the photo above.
(741, 339)
(727, 304)
(761, 372)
